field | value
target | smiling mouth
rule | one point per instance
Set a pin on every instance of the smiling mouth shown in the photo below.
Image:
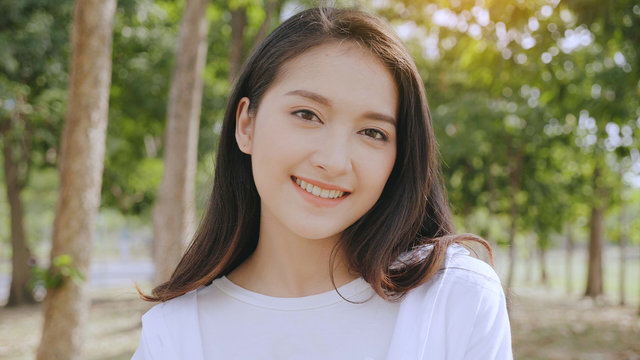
(318, 191)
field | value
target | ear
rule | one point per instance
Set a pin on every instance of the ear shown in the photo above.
(245, 125)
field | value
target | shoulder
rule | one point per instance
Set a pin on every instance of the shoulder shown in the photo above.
(466, 291)
(476, 307)
(469, 271)
(171, 309)
(171, 328)
(460, 313)
(462, 282)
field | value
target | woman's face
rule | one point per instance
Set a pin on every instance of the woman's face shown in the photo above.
(323, 140)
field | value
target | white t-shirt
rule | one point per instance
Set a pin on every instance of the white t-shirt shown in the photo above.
(459, 314)
(236, 323)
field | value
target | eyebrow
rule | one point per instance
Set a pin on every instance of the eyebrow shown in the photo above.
(326, 102)
(312, 96)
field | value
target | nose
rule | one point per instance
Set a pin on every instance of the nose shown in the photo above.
(333, 154)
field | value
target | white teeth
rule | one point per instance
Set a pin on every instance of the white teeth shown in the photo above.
(317, 191)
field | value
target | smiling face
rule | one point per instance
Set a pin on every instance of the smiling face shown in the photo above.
(323, 141)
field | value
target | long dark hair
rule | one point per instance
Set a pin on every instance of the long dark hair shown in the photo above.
(412, 211)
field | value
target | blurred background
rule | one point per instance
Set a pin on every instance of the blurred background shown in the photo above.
(536, 105)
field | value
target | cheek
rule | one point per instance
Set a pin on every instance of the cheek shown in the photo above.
(376, 171)
(275, 151)
(387, 165)
(271, 143)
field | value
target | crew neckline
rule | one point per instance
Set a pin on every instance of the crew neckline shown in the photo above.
(356, 291)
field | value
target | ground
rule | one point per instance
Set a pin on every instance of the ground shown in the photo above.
(551, 326)
(546, 325)
(113, 331)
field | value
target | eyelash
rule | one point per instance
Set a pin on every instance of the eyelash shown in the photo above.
(377, 134)
(306, 112)
(383, 136)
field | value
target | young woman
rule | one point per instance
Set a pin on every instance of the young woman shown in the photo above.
(328, 233)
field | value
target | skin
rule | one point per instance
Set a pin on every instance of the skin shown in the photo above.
(328, 118)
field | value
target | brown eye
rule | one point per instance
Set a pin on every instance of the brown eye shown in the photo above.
(306, 115)
(375, 134)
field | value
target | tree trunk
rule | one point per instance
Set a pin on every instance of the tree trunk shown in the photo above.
(569, 260)
(544, 279)
(639, 282)
(491, 189)
(236, 54)
(173, 220)
(81, 166)
(532, 251)
(270, 7)
(19, 292)
(623, 252)
(515, 166)
(594, 274)
(491, 201)
(512, 244)
(594, 271)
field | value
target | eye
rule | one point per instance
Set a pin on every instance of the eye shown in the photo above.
(374, 134)
(307, 115)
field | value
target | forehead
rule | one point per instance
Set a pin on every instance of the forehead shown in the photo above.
(344, 72)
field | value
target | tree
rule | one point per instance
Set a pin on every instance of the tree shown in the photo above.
(489, 110)
(81, 165)
(622, 240)
(174, 214)
(236, 54)
(144, 47)
(15, 181)
(595, 281)
(240, 25)
(508, 87)
(611, 101)
(34, 45)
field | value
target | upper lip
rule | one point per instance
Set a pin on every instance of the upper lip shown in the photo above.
(322, 185)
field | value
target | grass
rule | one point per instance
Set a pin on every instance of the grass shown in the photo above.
(547, 326)
(527, 273)
(113, 331)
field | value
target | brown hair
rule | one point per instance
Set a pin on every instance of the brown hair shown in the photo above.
(412, 211)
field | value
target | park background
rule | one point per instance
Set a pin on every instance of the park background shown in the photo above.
(536, 105)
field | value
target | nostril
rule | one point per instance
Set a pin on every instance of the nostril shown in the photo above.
(332, 160)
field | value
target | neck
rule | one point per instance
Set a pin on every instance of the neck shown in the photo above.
(286, 265)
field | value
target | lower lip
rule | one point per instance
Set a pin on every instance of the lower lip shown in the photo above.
(316, 200)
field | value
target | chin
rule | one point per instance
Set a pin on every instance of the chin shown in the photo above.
(317, 232)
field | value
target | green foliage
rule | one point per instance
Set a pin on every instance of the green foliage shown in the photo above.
(552, 85)
(506, 91)
(143, 50)
(60, 271)
(34, 52)
(33, 75)
(145, 35)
